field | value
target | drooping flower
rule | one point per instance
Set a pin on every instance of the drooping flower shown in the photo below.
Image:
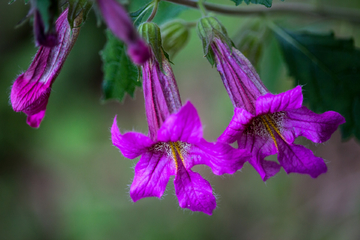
(174, 144)
(31, 90)
(265, 123)
(119, 22)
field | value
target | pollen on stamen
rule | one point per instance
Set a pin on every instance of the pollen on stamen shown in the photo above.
(257, 127)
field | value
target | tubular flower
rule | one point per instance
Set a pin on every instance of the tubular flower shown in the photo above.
(122, 27)
(174, 145)
(31, 90)
(265, 123)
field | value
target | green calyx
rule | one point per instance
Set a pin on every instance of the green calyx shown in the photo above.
(175, 35)
(150, 32)
(208, 29)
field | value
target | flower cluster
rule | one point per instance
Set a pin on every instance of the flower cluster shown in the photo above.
(263, 123)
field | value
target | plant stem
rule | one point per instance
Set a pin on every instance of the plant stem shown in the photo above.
(153, 13)
(350, 15)
(201, 7)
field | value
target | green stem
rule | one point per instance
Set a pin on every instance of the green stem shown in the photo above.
(153, 13)
(300, 9)
(202, 8)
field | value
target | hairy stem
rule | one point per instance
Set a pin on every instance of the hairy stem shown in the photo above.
(300, 9)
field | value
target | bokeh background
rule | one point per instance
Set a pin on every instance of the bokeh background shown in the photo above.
(65, 180)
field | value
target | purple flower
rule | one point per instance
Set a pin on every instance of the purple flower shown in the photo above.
(119, 22)
(174, 145)
(267, 124)
(31, 90)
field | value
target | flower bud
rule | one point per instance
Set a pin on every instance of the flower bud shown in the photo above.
(208, 28)
(175, 35)
(150, 32)
(119, 22)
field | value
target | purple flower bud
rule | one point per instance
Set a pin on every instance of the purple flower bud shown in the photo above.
(119, 22)
(43, 39)
(139, 52)
(31, 90)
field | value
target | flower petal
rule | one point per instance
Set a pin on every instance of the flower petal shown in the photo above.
(193, 192)
(152, 174)
(35, 119)
(315, 127)
(269, 103)
(236, 126)
(260, 147)
(184, 126)
(298, 159)
(130, 144)
(220, 157)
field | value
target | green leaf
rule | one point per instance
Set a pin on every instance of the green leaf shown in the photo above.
(76, 7)
(165, 12)
(120, 74)
(329, 70)
(44, 7)
(168, 11)
(267, 3)
(137, 16)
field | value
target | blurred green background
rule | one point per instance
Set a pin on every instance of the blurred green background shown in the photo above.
(65, 180)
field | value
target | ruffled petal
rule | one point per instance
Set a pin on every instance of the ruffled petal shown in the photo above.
(152, 174)
(315, 127)
(269, 103)
(184, 126)
(193, 192)
(220, 157)
(236, 126)
(260, 147)
(130, 144)
(298, 159)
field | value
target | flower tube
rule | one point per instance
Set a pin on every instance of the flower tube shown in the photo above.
(265, 123)
(175, 141)
(31, 90)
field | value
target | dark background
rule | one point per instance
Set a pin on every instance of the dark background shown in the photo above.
(65, 180)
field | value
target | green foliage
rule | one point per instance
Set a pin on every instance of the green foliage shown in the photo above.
(76, 7)
(175, 35)
(267, 3)
(12, 1)
(138, 16)
(120, 74)
(252, 39)
(168, 11)
(329, 70)
(45, 7)
(165, 12)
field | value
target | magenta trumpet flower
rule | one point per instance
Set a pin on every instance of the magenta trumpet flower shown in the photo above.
(267, 124)
(174, 145)
(120, 24)
(31, 90)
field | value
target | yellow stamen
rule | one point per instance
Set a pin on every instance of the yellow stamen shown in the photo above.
(173, 146)
(275, 128)
(179, 153)
(269, 130)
